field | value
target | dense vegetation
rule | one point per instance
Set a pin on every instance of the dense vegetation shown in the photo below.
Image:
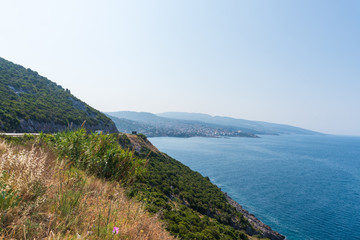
(189, 203)
(97, 154)
(28, 101)
(48, 191)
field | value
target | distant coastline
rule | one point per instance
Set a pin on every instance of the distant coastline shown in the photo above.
(196, 125)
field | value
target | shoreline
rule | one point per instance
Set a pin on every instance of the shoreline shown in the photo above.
(264, 229)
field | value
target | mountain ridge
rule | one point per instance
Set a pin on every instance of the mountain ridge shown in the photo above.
(155, 126)
(260, 126)
(180, 124)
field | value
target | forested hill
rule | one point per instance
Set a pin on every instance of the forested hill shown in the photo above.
(32, 103)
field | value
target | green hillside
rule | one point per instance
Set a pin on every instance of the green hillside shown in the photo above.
(191, 206)
(70, 185)
(32, 103)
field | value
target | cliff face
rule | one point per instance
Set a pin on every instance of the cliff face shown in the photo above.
(32, 103)
(189, 203)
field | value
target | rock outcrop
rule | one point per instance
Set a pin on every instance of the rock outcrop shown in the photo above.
(258, 226)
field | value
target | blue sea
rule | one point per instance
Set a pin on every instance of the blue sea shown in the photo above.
(305, 187)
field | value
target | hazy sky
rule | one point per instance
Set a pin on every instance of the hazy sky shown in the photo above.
(293, 62)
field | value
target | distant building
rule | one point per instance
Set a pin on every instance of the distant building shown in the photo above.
(134, 132)
(98, 131)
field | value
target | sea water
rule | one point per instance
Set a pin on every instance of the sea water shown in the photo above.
(305, 187)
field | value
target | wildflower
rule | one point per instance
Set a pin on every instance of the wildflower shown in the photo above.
(116, 230)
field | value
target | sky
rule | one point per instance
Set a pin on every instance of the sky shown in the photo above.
(292, 62)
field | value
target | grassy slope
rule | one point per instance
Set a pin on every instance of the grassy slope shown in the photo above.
(46, 197)
(25, 95)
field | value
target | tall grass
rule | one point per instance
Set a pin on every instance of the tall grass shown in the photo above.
(3, 146)
(21, 170)
(43, 197)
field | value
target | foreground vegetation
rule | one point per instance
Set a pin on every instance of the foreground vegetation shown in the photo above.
(61, 187)
(74, 185)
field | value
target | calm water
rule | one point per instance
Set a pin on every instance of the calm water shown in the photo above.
(305, 187)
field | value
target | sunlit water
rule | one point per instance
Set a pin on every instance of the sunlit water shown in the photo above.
(305, 187)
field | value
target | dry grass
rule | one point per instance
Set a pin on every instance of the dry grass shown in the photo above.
(23, 168)
(60, 202)
(3, 146)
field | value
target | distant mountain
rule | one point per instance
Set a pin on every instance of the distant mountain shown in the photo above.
(32, 103)
(155, 126)
(246, 125)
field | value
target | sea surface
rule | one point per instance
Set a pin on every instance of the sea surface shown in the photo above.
(305, 187)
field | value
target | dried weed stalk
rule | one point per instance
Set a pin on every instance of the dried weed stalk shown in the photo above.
(23, 167)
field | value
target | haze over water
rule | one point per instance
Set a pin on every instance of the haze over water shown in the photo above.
(305, 187)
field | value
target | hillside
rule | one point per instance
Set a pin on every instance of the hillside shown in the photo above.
(191, 206)
(32, 103)
(48, 193)
(258, 127)
(74, 185)
(80, 189)
(155, 126)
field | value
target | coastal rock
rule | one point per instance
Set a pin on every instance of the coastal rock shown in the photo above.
(259, 227)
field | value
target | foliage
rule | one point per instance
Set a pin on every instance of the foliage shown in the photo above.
(97, 154)
(142, 136)
(27, 96)
(9, 198)
(190, 204)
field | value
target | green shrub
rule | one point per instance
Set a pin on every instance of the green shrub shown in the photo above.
(9, 198)
(97, 154)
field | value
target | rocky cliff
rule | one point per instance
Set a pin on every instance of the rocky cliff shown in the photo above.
(258, 226)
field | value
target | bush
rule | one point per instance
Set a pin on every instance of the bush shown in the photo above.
(97, 154)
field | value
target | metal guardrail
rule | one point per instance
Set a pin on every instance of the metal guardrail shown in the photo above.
(19, 134)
